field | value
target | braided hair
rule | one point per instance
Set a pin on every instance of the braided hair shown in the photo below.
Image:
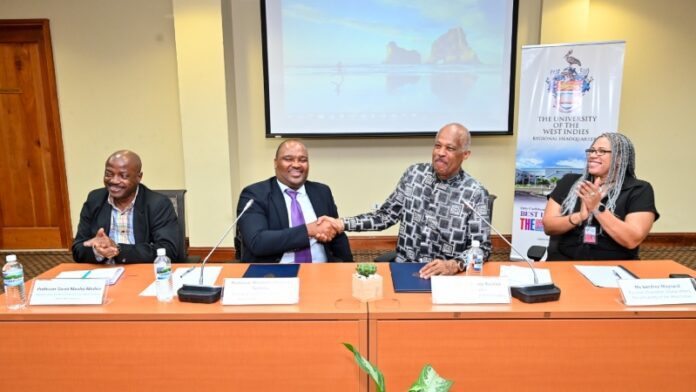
(623, 163)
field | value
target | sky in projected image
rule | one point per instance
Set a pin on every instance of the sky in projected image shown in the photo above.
(388, 66)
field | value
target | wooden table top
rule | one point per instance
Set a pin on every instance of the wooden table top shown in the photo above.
(325, 293)
(579, 298)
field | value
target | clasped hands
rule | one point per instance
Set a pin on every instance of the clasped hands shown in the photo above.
(325, 228)
(103, 245)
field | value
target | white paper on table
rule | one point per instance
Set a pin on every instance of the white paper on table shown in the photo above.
(523, 276)
(110, 274)
(470, 290)
(640, 292)
(604, 275)
(210, 275)
(261, 291)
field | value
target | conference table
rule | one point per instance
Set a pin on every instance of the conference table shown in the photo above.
(136, 343)
(588, 340)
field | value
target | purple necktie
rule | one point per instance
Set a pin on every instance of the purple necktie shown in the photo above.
(303, 255)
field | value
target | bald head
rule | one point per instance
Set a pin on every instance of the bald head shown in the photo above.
(450, 150)
(128, 156)
(460, 132)
(122, 175)
(292, 163)
(282, 146)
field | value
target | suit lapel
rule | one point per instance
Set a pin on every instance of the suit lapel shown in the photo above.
(140, 222)
(277, 202)
(104, 216)
(317, 202)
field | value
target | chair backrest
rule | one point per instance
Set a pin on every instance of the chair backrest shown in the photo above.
(177, 198)
(491, 200)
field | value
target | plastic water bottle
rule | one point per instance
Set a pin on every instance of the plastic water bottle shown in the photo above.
(474, 259)
(13, 277)
(163, 276)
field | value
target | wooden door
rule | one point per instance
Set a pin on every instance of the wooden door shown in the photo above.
(34, 209)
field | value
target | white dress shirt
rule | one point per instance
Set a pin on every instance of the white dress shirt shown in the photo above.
(317, 248)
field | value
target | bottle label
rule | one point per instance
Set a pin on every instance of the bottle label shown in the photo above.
(13, 278)
(163, 273)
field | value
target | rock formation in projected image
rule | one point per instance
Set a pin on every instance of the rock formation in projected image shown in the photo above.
(399, 55)
(452, 48)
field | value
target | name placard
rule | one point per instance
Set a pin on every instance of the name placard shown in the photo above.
(68, 292)
(640, 292)
(470, 290)
(261, 291)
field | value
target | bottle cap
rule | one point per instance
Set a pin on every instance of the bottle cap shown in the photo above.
(11, 258)
(475, 243)
(161, 252)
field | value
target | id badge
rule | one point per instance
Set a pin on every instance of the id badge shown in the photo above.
(590, 236)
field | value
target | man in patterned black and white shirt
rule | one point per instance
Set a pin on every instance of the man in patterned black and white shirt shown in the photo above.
(436, 226)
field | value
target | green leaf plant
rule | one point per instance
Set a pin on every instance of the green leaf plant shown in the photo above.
(428, 381)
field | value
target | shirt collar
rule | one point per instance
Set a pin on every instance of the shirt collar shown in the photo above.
(454, 179)
(283, 187)
(129, 207)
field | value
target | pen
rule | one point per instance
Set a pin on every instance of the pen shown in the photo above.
(618, 276)
(187, 271)
(86, 274)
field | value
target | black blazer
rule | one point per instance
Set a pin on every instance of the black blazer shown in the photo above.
(263, 233)
(154, 226)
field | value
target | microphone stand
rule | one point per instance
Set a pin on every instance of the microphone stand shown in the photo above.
(206, 294)
(531, 293)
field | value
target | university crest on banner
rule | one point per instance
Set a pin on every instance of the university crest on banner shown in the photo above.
(569, 94)
(569, 85)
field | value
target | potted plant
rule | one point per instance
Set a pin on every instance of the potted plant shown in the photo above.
(367, 283)
(428, 381)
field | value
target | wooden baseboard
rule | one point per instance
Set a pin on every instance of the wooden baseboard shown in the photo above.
(366, 243)
(221, 254)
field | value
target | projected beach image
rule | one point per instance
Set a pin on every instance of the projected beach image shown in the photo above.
(395, 66)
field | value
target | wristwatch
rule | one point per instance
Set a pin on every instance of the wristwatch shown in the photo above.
(600, 208)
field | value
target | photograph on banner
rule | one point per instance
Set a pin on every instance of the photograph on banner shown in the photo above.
(569, 95)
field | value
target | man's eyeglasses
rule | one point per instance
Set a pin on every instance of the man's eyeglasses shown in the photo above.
(599, 152)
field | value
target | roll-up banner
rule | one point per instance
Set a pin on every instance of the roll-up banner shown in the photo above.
(569, 95)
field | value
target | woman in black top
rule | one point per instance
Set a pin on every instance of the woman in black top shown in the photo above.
(605, 213)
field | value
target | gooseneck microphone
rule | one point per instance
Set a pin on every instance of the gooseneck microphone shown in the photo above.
(207, 294)
(531, 293)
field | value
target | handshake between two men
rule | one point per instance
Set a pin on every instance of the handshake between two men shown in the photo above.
(326, 228)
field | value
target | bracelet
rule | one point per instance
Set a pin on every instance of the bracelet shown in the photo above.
(571, 221)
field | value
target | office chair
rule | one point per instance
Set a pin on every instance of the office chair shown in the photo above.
(177, 198)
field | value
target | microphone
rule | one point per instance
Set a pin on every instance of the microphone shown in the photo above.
(531, 293)
(206, 294)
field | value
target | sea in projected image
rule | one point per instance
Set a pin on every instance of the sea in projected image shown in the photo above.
(441, 93)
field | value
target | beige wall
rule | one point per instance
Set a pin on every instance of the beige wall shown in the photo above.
(121, 86)
(116, 74)
(657, 95)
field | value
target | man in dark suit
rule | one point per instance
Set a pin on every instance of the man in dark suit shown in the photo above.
(125, 222)
(281, 224)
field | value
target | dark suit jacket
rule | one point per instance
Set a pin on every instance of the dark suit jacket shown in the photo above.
(264, 233)
(154, 226)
